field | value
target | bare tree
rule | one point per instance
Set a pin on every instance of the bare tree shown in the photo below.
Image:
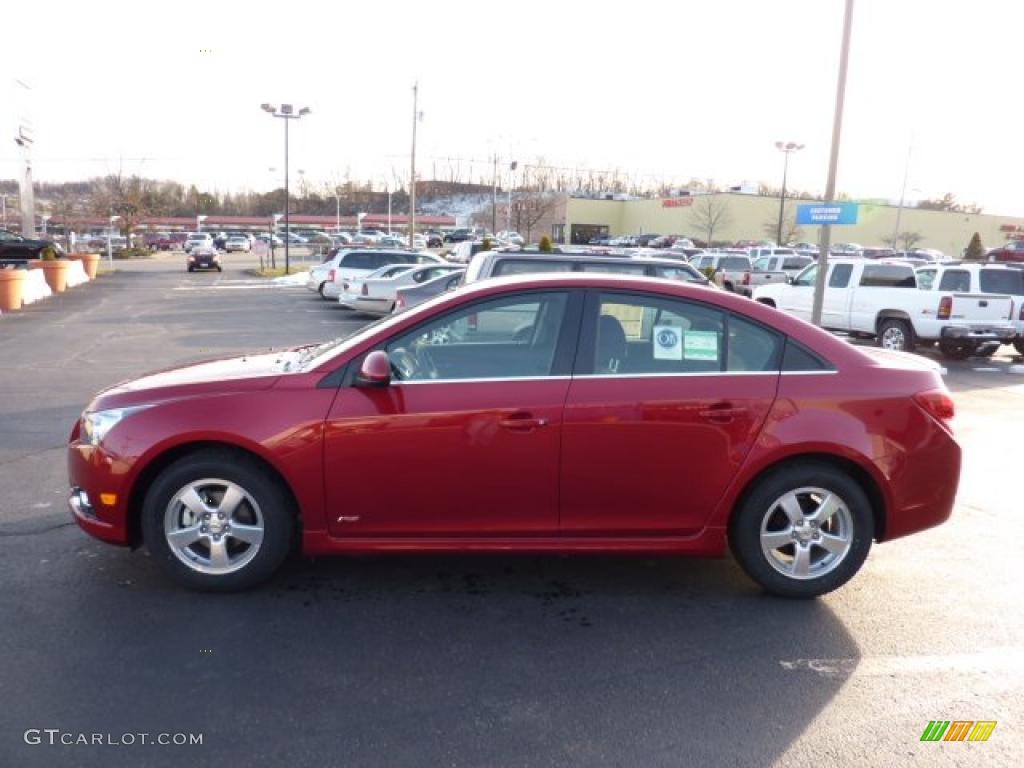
(710, 213)
(905, 239)
(791, 231)
(531, 209)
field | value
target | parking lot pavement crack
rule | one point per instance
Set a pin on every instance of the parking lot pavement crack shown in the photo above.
(8, 534)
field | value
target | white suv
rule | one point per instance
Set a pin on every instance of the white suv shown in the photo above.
(198, 240)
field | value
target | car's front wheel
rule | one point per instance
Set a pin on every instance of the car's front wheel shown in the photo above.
(215, 521)
(803, 530)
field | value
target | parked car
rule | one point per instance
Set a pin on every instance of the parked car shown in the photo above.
(850, 249)
(238, 243)
(880, 300)
(986, 278)
(732, 265)
(14, 246)
(458, 235)
(198, 239)
(220, 240)
(877, 253)
(487, 264)
(1013, 251)
(435, 240)
(274, 240)
(326, 278)
(781, 266)
(157, 241)
(410, 296)
(203, 257)
(512, 238)
(586, 413)
(377, 293)
(293, 239)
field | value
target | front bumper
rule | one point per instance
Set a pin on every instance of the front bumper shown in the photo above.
(99, 493)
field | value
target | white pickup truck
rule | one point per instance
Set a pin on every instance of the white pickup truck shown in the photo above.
(772, 266)
(880, 299)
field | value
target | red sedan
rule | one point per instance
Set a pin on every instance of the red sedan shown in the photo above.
(567, 413)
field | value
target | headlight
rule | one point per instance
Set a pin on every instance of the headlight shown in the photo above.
(96, 424)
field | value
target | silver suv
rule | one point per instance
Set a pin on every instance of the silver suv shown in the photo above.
(495, 263)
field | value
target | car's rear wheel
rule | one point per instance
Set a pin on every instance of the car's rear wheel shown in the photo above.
(320, 289)
(1018, 344)
(215, 521)
(803, 530)
(896, 334)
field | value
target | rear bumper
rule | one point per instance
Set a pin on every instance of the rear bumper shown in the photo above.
(1001, 334)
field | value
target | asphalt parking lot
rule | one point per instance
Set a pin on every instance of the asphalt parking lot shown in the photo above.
(475, 661)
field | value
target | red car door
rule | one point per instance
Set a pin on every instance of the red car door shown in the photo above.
(668, 399)
(465, 441)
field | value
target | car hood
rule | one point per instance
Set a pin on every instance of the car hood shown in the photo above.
(232, 374)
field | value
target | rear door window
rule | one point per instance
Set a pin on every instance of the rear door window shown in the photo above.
(1009, 281)
(840, 277)
(528, 266)
(888, 276)
(955, 280)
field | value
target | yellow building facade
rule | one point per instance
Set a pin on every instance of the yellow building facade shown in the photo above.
(750, 217)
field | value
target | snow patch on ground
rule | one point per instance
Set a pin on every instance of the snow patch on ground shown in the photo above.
(297, 278)
(76, 274)
(462, 207)
(35, 287)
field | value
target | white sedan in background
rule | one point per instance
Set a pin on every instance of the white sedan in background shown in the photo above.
(238, 243)
(375, 293)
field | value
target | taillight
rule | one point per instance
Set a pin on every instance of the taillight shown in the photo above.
(945, 307)
(330, 276)
(938, 404)
(746, 278)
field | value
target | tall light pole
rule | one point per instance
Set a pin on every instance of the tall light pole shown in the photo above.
(786, 148)
(110, 250)
(833, 164)
(42, 221)
(287, 113)
(337, 210)
(412, 175)
(903, 196)
(3, 207)
(200, 218)
(508, 207)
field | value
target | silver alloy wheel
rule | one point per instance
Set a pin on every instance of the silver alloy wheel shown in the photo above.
(806, 533)
(213, 526)
(894, 338)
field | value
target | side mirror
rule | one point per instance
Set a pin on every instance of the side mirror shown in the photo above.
(375, 370)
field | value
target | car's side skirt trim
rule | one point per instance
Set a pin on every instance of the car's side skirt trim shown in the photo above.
(709, 542)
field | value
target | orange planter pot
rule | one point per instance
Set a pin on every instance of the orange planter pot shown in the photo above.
(12, 288)
(90, 262)
(56, 274)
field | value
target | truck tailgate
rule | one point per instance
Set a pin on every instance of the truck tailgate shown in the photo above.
(981, 308)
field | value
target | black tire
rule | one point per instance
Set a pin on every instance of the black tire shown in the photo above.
(745, 528)
(957, 350)
(896, 331)
(220, 269)
(320, 290)
(274, 502)
(1018, 344)
(191, 269)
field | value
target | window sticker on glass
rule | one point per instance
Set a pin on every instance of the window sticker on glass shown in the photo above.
(700, 345)
(668, 342)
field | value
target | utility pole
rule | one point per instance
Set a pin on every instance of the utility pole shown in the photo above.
(903, 196)
(508, 209)
(494, 197)
(787, 148)
(833, 163)
(412, 174)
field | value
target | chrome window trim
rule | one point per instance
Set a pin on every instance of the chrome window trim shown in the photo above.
(398, 382)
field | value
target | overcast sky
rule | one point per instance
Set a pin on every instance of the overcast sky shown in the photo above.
(666, 89)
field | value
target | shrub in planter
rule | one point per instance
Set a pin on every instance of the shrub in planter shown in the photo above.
(545, 245)
(132, 253)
